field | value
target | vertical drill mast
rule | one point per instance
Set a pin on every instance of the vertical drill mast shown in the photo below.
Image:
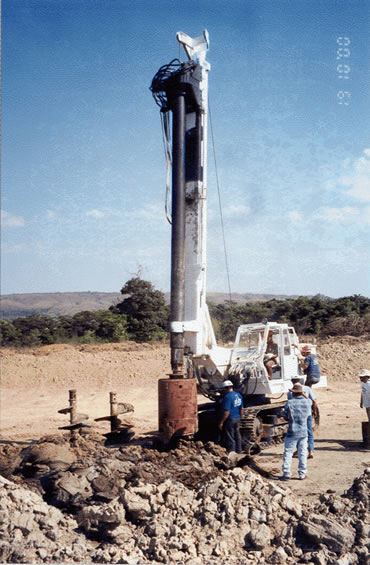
(183, 89)
(197, 327)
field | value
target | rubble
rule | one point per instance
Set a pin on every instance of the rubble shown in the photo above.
(32, 531)
(134, 504)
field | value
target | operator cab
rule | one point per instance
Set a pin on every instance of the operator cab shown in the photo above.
(264, 357)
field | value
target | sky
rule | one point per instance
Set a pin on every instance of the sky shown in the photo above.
(83, 166)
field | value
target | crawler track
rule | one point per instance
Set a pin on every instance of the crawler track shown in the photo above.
(260, 426)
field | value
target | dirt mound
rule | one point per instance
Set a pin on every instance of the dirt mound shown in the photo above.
(189, 505)
(127, 363)
(136, 364)
(341, 358)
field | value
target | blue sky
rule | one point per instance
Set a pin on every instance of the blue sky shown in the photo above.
(83, 169)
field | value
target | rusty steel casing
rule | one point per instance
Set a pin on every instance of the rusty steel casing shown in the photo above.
(177, 408)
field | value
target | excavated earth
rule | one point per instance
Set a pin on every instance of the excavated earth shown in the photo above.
(101, 502)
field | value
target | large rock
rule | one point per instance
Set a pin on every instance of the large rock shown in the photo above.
(43, 457)
(102, 520)
(325, 530)
(259, 537)
(66, 489)
(137, 508)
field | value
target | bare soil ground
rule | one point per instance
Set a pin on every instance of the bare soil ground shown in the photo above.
(35, 384)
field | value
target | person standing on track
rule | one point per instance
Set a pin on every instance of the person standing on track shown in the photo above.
(232, 405)
(310, 366)
(296, 411)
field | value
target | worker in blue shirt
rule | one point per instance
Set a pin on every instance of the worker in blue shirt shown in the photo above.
(310, 394)
(296, 411)
(310, 366)
(232, 405)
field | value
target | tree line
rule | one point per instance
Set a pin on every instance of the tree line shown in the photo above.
(143, 315)
(317, 315)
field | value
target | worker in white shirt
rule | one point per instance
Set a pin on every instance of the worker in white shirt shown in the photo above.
(364, 375)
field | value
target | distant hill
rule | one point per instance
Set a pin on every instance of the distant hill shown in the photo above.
(69, 303)
(221, 298)
(56, 303)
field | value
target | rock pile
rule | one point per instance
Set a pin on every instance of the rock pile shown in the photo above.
(138, 505)
(34, 532)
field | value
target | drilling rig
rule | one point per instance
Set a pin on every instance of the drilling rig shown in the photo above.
(198, 363)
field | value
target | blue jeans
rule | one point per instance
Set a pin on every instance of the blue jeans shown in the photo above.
(311, 444)
(289, 447)
(232, 437)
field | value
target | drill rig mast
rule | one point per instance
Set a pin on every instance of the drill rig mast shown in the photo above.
(182, 88)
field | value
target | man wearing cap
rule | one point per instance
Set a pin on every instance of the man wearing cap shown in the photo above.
(232, 405)
(296, 411)
(310, 366)
(364, 375)
(310, 394)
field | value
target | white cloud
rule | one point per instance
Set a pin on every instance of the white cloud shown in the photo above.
(295, 216)
(51, 214)
(11, 221)
(366, 215)
(148, 212)
(236, 210)
(12, 247)
(358, 180)
(345, 215)
(56, 217)
(95, 213)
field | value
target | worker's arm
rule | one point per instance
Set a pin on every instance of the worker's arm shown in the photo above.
(361, 403)
(314, 408)
(224, 417)
(303, 363)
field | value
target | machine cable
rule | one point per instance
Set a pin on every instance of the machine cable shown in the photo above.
(167, 145)
(174, 67)
(157, 86)
(219, 203)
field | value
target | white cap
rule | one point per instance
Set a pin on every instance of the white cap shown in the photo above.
(297, 378)
(364, 373)
(226, 384)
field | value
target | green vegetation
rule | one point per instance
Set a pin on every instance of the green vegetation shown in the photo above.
(142, 316)
(145, 310)
(83, 327)
(318, 315)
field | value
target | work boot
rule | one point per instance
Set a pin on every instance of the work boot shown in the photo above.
(310, 454)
